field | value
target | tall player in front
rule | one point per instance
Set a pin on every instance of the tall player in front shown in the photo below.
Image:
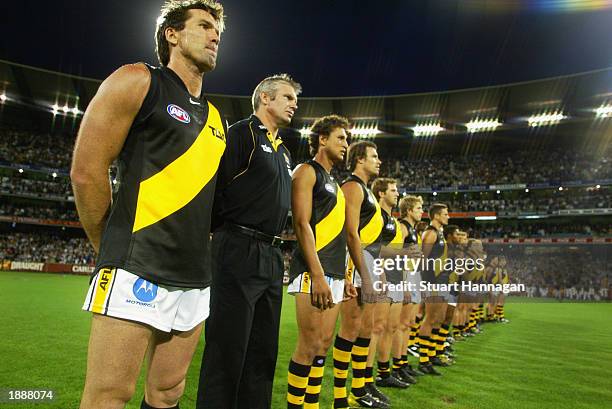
(150, 291)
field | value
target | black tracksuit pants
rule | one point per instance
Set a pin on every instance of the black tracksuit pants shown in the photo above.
(242, 330)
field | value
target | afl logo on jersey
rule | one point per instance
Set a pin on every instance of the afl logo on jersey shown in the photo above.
(178, 113)
(330, 188)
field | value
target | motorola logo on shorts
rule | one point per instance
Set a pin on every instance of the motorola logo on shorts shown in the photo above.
(144, 290)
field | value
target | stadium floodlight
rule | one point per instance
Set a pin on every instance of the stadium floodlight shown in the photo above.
(427, 129)
(485, 218)
(3, 97)
(304, 132)
(482, 125)
(365, 131)
(498, 191)
(54, 174)
(546, 119)
(560, 188)
(66, 109)
(20, 170)
(604, 111)
(597, 186)
(526, 190)
(75, 110)
(435, 193)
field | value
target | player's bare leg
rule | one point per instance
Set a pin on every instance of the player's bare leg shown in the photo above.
(168, 359)
(113, 369)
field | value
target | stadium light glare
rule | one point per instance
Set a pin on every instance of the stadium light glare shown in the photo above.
(560, 188)
(604, 111)
(482, 125)
(54, 174)
(3, 97)
(66, 109)
(427, 129)
(597, 186)
(20, 170)
(365, 131)
(435, 193)
(526, 190)
(498, 191)
(75, 111)
(544, 119)
(304, 132)
(485, 218)
(114, 181)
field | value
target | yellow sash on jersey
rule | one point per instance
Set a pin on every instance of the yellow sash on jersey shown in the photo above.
(179, 183)
(331, 225)
(371, 231)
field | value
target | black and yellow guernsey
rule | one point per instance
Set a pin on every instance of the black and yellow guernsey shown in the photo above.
(391, 235)
(434, 271)
(412, 237)
(159, 221)
(327, 223)
(370, 218)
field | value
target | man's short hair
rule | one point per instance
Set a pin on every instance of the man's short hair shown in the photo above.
(435, 209)
(358, 151)
(173, 14)
(408, 203)
(380, 185)
(450, 229)
(270, 84)
(324, 126)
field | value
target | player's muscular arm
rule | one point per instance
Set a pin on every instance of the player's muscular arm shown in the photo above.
(353, 197)
(303, 180)
(103, 131)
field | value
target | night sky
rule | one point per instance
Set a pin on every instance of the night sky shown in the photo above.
(334, 48)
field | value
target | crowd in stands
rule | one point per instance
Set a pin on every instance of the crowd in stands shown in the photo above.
(45, 248)
(437, 170)
(539, 230)
(39, 149)
(554, 166)
(570, 272)
(59, 188)
(38, 212)
(596, 199)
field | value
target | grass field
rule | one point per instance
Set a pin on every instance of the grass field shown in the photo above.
(551, 355)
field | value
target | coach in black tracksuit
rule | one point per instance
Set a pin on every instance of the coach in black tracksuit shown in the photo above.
(252, 202)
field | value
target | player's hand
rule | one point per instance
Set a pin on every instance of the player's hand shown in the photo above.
(349, 291)
(321, 294)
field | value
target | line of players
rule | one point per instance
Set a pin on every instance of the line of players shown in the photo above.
(375, 323)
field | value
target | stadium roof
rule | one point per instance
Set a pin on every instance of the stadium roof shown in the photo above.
(575, 97)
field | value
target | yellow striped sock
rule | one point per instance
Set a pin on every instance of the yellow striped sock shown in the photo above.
(297, 381)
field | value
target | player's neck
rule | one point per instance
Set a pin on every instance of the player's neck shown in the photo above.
(384, 206)
(267, 121)
(436, 224)
(362, 174)
(190, 75)
(410, 221)
(323, 160)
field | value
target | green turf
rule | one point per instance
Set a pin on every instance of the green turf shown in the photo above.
(551, 355)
